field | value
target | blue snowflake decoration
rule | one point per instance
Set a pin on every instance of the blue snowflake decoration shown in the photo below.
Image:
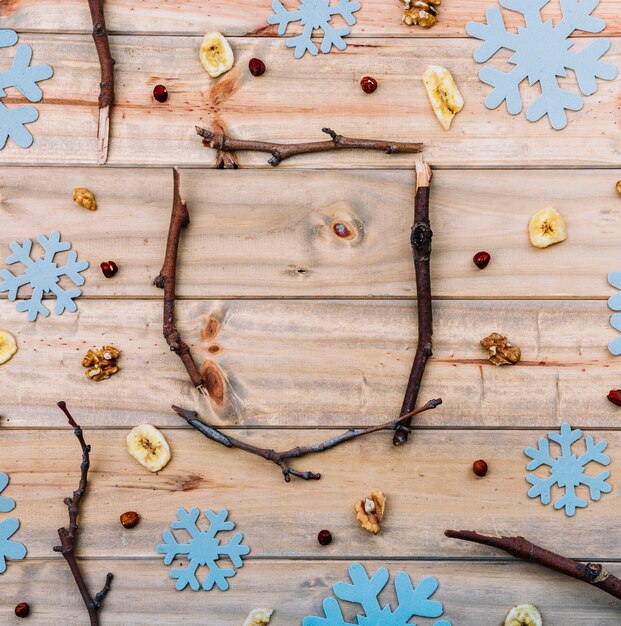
(9, 549)
(567, 470)
(6, 504)
(43, 275)
(203, 548)
(365, 591)
(614, 302)
(24, 77)
(542, 53)
(315, 15)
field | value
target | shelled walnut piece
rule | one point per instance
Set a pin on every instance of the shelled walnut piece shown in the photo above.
(101, 363)
(501, 350)
(85, 198)
(370, 511)
(420, 12)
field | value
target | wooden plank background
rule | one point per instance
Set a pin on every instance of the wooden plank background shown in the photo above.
(304, 333)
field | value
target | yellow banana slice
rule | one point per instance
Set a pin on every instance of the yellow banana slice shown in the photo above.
(443, 94)
(524, 615)
(258, 617)
(546, 227)
(8, 346)
(216, 54)
(149, 447)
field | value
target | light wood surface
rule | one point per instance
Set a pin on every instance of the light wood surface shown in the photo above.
(305, 333)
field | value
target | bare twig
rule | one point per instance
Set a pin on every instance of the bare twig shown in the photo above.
(180, 218)
(421, 248)
(106, 87)
(280, 458)
(521, 548)
(281, 151)
(69, 535)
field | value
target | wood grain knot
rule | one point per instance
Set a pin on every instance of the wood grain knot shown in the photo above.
(210, 329)
(214, 382)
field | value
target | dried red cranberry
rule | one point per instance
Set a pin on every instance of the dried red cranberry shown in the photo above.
(22, 609)
(324, 537)
(256, 67)
(368, 84)
(479, 467)
(109, 268)
(614, 395)
(481, 259)
(160, 93)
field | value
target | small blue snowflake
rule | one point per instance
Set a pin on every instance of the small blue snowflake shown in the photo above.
(6, 504)
(315, 15)
(43, 275)
(12, 550)
(614, 302)
(24, 78)
(567, 469)
(203, 549)
(542, 53)
(365, 591)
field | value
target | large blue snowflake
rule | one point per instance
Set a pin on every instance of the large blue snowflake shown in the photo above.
(542, 53)
(43, 275)
(24, 78)
(11, 550)
(567, 469)
(365, 591)
(315, 15)
(203, 549)
(6, 504)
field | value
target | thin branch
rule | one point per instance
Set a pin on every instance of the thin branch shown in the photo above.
(521, 548)
(180, 218)
(280, 458)
(69, 535)
(421, 249)
(106, 87)
(281, 151)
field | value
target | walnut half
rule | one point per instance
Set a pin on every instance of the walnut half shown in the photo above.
(370, 511)
(101, 363)
(501, 350)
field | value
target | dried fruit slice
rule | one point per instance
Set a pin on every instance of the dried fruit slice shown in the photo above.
(443, 94)
(148, 446)
(216, 54)
(546, 227)
(258, 617)
(8, 346)
(524, 615)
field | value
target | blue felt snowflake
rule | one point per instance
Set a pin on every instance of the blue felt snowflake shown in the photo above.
(567, 469)
(365, 591)
(11, 550)
(614, 302)
(203, 549)
(315, 15)
(6, 504)
(542, 53)
(24, 78)
(43, 275)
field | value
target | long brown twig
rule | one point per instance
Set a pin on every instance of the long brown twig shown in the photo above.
(421, 249)
(180, 218)
(280, 458)
(106, 87)
(281, 151)
(521, 548)
(69, 535)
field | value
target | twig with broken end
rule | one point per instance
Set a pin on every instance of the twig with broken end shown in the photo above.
(106, 87)
(281, 151)
(280, 458)
(69, 535)
(521, 548)
(420, 239)
(166, 279)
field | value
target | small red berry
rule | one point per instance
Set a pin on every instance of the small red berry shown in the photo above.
(479, 467)
(324, 537)
(256, 67)
(368, 84)
(22, 609)
(481, 259)
(109, 269)
(160, 93)
(614, 395)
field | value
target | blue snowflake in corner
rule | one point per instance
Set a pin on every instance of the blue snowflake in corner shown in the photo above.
(11, 550)
(202, 549)
(315, 15)
(542, 53)
(24, 78)
(567, 469)
(43, 275)
(6, 504)
(365, 591)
